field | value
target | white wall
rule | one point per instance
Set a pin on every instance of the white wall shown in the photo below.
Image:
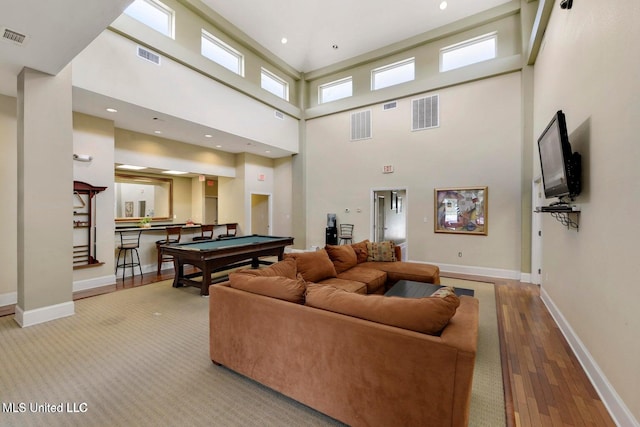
(588, 67)
(478, 143)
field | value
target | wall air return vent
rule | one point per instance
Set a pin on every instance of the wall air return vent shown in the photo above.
(279, 115)
(390, 105)
(13, 36)
(361, 125)
(148, 55)
(425, 113)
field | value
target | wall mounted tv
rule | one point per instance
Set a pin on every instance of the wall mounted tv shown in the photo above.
(561, 168)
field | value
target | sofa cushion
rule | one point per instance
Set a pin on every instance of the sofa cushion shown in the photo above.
(343, 257)
(374, 279)
(292, 290)
(402, 270)
(285, 268)
(314, 266)
(347, 285)
(381, 251)
(427, 315)
(360, 249)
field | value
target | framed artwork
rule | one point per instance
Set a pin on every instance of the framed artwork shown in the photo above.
(461, 210)
(128, 209)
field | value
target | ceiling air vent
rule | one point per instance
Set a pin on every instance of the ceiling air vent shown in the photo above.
(361, 125)
(148, 55)
(13, 36)
(390, 105)
(279, 115)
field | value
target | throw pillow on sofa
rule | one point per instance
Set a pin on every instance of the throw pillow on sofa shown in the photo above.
(343, 257)
(285, 268)
(381, 251)
(314, 266)
(428, 315)
(360, 249)
(292, 290)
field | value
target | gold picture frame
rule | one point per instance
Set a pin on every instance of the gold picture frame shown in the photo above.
(462, 210)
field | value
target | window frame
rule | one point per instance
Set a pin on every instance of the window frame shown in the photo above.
(275, 78)
(206, 35)
(333, 84)
(389, 67)
(466, 44)
(166, 10)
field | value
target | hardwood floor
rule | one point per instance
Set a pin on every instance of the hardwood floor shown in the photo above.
(546, 381)
(546, 385)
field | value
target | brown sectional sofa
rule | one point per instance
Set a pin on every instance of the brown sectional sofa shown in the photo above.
(365, 360)
(350, 266)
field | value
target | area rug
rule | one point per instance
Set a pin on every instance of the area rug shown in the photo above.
(141, 357)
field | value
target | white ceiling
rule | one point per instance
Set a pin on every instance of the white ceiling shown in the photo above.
(312, 27)
(58, 30)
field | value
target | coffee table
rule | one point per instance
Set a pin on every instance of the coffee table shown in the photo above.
(411, 289)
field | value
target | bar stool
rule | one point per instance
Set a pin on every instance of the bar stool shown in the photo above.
(129, 243)
(173, 236)
(346, 233)
(232, 230)
(206, 232)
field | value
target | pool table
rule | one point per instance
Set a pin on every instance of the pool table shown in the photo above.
(216, 255)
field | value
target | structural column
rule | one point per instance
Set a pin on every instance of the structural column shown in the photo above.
(45, 197)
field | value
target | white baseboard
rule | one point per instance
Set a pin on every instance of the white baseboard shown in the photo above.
(96, 282)
(8, 299)
(478, 271)
(43, 314)
(616, 406)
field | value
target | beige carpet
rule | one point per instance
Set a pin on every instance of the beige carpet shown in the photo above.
(140, 357)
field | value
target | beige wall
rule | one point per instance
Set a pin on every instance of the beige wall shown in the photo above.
(8, 200)
(588, 67)
(94, 136)
(478, 143)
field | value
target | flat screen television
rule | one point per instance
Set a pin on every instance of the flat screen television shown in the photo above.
(561, 168)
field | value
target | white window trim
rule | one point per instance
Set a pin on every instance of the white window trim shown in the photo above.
(171, 17)
(468, 42)
(285, 85)
(388, 67)
(224, 46)
(332, 84)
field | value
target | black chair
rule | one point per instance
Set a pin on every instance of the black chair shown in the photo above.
(206, 232)
(129, 243)
(173, 236)
(232, 231)
(346, 233)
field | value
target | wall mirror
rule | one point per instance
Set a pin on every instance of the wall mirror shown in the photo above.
(138, 196)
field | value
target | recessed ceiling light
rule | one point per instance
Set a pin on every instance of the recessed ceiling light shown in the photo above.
(175, 172)
(335, 46)
(284, 40)
(208, 136)
(112, 110)
(267, 151)
(218, 146)
(443, 5)
(157, 131)
(131, 167)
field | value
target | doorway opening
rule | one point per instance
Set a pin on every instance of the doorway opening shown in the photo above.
(260, 214)
(389, 216)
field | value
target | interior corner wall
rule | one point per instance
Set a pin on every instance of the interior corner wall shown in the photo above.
(588, 67)
(8, 200)
(478, 143)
